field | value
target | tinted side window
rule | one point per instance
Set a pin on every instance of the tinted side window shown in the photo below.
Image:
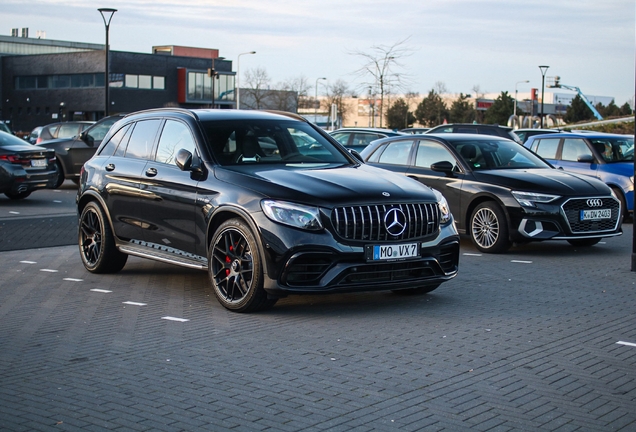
(396, 153)
(573, 148)
(342, 138)
(142, 139)
(546, 148)
(174, 137)
(114, 143)
(429, 152)
(363, 139)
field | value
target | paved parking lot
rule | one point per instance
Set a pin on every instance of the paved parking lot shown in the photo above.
(537, 339)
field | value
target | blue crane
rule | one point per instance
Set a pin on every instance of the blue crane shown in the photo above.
(557, 84)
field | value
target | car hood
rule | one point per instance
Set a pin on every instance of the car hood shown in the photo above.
(327, 186)
(551, 181)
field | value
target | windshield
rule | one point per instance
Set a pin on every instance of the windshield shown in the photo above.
(238, 142)
(496, 154)
(615, 149)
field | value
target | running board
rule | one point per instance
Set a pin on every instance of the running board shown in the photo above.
(171, 257)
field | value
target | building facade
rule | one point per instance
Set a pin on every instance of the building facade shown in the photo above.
(43, 88)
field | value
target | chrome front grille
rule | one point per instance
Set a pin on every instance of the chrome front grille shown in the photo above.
(367, 223)
(572, 210)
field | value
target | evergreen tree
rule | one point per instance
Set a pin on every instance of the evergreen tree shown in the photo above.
(432, 110)
(398, 115)
(462, 110)
(500, 110)
(578, 111)
(626, 110)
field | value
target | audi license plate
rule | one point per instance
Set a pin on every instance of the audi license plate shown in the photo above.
(596, 214)
(392, 252)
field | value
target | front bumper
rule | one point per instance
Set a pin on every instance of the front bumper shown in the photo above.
(301, 262)
(562, 221)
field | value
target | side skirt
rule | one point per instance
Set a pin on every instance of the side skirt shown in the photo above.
(162, 253)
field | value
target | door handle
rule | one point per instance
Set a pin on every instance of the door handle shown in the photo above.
(151, 172)
(110, 167)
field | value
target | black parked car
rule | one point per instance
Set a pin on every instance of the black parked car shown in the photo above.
(205, 189)
(24, 168)
(73, 152)
(500, 193)
(475, 128)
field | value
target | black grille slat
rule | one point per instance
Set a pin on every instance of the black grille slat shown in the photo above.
(573, 207)
(366, 223)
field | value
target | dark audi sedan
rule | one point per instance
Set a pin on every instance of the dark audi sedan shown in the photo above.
(232, 192)
(24, 168)
(500, 193)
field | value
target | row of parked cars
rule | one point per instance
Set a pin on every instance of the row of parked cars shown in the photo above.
(500, 193)
(271, 205)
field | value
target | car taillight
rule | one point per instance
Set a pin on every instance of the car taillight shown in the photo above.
(10, 158)
(38, 141)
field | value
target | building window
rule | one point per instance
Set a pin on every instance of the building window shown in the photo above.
(145, 82)
(131, 81)
(199, 86)
(158, 82)
(41, 82)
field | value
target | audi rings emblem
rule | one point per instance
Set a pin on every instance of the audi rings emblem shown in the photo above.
(594, 202)
(395, 222)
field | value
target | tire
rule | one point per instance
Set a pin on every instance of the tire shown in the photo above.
(235, 268)
(584, 242)
(489, 229)
(96, 242)
(60, 176)
(416, 291)
(17, 195)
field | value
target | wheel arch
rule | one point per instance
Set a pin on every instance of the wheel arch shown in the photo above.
(227, 212)
(481, 199)
(93, 196)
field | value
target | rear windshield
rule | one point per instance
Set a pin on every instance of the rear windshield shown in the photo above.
(237, 142)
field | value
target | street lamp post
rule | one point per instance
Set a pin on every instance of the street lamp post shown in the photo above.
(238, 77)
(543, 69)
(518, 82)
(106, 13)
(316, 97)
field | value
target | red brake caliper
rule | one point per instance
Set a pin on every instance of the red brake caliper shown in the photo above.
(228, 260)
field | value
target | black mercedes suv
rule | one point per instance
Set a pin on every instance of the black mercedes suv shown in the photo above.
(266, 202)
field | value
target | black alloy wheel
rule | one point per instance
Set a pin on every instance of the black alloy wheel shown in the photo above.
(489, 229)
(96, 243)
(235, 268)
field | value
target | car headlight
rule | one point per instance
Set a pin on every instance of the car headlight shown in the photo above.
(530, 199)
(296, 215)
(444, 209)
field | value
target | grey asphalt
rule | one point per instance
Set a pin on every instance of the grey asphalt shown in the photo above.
(534, 340)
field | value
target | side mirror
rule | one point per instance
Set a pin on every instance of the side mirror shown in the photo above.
(184, 160)
(356, 155)
(443, 166)
(88, 139)
(587, 158)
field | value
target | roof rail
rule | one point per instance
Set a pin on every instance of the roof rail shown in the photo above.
(174, 109)
(288, 114)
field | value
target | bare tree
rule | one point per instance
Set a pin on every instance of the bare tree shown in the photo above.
(381, 64)
(336, 95)
(440, 88)
(300, 85)
(257, 88)
(478, 92)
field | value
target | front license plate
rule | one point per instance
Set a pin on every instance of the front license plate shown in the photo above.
(393, 252)
(596, 214)
(39, 163)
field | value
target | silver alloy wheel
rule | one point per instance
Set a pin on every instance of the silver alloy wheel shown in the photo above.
(485, 228)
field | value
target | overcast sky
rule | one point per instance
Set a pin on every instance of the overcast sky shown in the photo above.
(492, 44)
